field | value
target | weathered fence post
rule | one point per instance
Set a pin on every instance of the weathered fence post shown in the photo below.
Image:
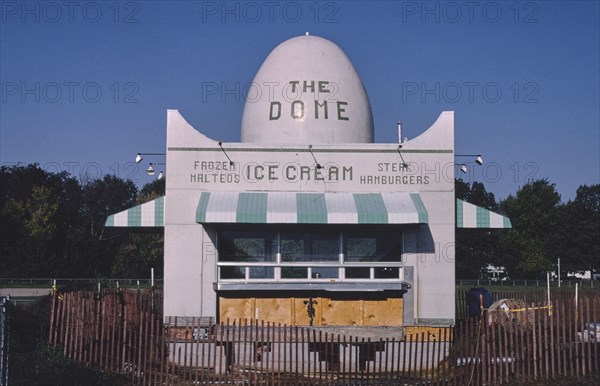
(4, 339)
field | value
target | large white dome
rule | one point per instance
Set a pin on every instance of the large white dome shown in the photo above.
(307, 92)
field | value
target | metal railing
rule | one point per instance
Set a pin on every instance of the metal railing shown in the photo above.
(104, 282)
(146, 282)
(309, 271)
(583, 283)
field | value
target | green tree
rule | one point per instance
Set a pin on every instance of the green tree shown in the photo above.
(152, 190)
(42, 209)
(52, 227)
(103, 197)
(142, 249)
(39, 219)
(531, 247)
(579, 237)
(475, 248)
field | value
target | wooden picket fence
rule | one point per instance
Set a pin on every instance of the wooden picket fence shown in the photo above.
(108, 329)
(554, 342)
(529, 296)
(123, 331)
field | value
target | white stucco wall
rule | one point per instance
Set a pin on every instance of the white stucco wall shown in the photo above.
(192, 161)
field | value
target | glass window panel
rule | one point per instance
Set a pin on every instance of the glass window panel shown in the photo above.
(262, 273)
(242, 246)
(387, 273)
(325, 273)
(361, 249)
(307, 247)
(373, 246)
(292, 249)
(294, 272)
(326, 247)
(358, 273)
(232, 272)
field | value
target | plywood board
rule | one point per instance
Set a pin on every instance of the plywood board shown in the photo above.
(235, 308)
(274, 310)
(346, 311)
(341, 312)
(385, 312)
(435, 333)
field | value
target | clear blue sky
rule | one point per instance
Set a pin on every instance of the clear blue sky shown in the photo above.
(85, 86)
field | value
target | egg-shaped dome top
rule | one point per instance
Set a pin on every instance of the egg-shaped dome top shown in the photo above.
(307, 92)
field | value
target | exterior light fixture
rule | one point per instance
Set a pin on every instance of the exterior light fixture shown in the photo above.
(319, 166)
(151, 170)
(478, 161)
(139, 158)
(478, 158)
(404, 164)
(224, 152)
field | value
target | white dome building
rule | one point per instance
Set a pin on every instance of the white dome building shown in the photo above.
(307, 92)
(307, 209)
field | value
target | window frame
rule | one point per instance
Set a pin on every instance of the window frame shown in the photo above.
(340, 264)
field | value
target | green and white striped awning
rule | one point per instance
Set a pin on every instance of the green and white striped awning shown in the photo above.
(149, 214)
(311, 208)
(473, 216)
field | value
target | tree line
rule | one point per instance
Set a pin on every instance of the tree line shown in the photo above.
(52, 225)
(544, 229)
